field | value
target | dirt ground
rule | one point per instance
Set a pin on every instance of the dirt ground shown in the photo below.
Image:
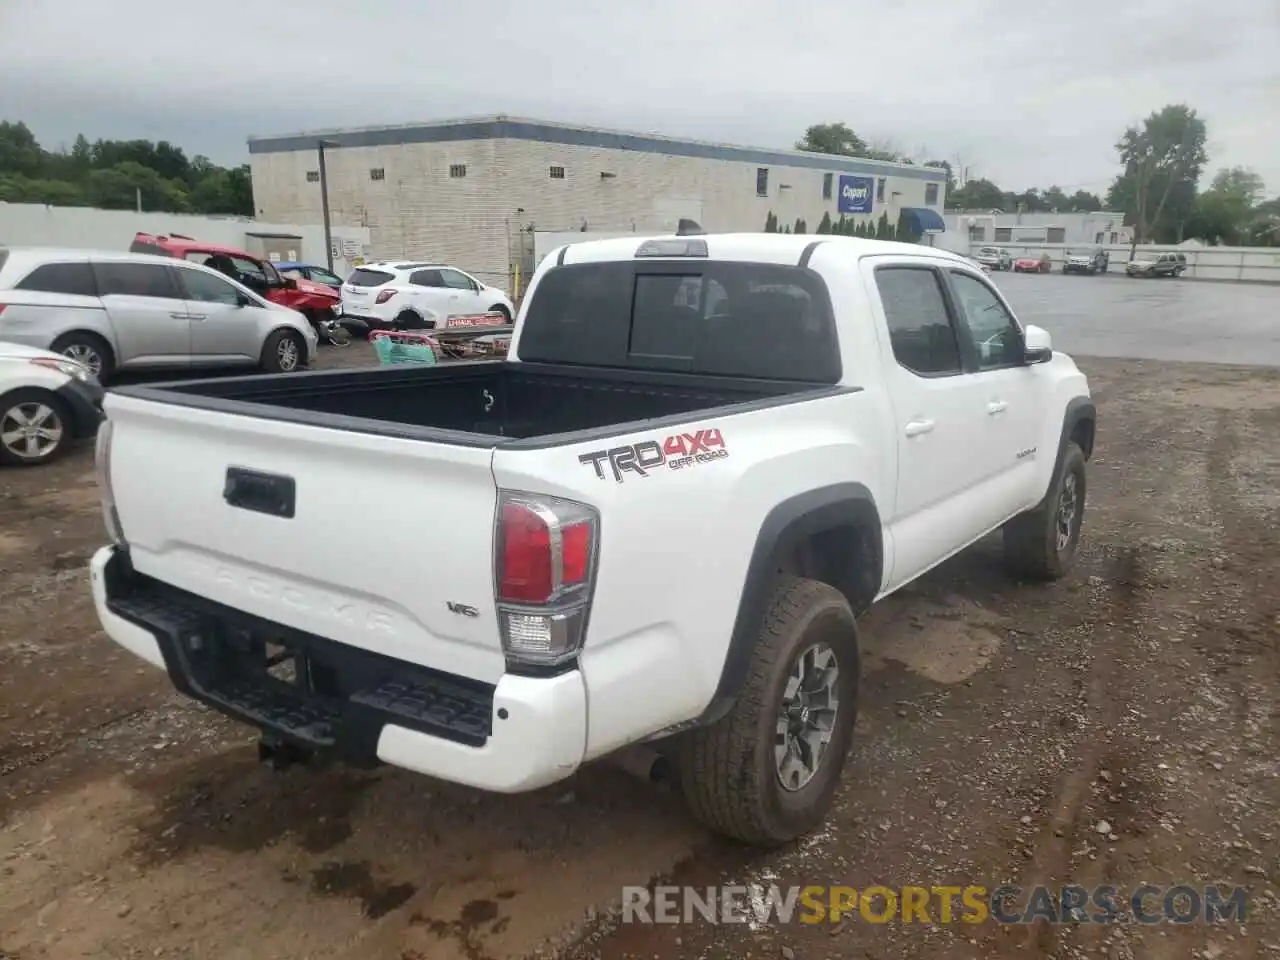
(1001, 724)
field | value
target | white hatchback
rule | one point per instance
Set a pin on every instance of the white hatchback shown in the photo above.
(395, 295)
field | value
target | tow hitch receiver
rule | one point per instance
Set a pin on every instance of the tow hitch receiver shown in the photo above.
(280, 754)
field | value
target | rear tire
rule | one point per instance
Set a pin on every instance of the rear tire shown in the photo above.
(87, 349)
(500, 308)
(408, 320)
(1041, 543)
(732, 771)
(43, 414)
(283, 352)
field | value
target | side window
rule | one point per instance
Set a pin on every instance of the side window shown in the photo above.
(324, 276)
(249, 270)
(136, 280)
(456, 280)
(75, 279)
(995, 334)
(207, 288)
(426, 278)
(294, 272)
(920, 329)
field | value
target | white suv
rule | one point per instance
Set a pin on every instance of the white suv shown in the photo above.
(409, 296)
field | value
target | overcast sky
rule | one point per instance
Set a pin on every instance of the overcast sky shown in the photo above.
(1023, 93)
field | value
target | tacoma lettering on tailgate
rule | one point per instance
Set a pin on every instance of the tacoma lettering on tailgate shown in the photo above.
(676, 452)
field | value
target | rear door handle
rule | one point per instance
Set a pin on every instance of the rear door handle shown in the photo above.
(180, 316)
(917, 427)
(996, 406)
(196, 316)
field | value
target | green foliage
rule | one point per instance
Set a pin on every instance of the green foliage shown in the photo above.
(1230, 211)
(1162, 159)
(833, 138)
(824, 225)
(771, 223)
(801, 226)
(111, 173)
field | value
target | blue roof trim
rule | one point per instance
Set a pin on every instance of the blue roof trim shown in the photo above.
(925, 218)
(582, 137)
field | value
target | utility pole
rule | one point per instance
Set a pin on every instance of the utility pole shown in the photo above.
(324, 201)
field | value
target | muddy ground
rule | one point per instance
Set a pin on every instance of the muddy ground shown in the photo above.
(1001, 724)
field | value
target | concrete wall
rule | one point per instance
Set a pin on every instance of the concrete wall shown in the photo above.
(1247, 264)
(417, 209)
(34, 224)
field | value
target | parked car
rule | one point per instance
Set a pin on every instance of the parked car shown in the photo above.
(416, 296)
(1088, 261)
(1160, 265)
(47, 403)
(1040, 264)
(318, 302)
(123, 311)
(881, 405)
(307, 271)
(994, 257)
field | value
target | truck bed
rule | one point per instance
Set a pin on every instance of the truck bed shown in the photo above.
(474, 403)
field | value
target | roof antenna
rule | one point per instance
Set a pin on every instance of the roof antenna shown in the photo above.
(689, 228)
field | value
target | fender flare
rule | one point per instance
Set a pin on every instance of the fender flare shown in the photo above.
(1079, 409)
(783, 528)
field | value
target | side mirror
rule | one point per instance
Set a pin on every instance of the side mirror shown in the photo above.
(289, 283)
(243, 301)
(1038, 345)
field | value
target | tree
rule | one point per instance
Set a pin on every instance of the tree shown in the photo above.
(944, 165)
(1162, 159)
(824, 225)
(883, 230)
(832, 138)
(770, 223)
(111, 173)
(1228, 210)
(976, 195)
(801, 226)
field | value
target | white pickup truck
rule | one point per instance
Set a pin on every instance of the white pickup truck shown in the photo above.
(653, 523)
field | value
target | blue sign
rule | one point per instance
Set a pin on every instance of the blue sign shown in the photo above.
(857, 194)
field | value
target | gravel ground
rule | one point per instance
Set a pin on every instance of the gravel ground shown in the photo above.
(1118, 727)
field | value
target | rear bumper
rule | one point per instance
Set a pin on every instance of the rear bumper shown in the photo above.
(358, 707)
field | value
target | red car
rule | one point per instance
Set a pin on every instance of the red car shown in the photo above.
(1039, 264)
(315, 300)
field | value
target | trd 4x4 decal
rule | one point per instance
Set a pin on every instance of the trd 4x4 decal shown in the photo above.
(676, 452)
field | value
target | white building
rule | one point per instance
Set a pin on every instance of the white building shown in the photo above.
(969, 229)
(472, 192)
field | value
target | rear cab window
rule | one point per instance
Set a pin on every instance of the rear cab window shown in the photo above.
(362, 277)
(718, 318)
(71, 279)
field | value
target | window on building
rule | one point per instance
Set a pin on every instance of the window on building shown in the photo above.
(1098, 237)
(931, 194)
(313, 176)
(880, 190)
(827, 178)
(977, 233)
(1113, 238)
(459, 170)
(762, 181)
(557, 173)
(1056, 234)
(378, 173)
(1004, 234)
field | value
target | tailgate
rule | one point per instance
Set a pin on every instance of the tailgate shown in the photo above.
(385, 533)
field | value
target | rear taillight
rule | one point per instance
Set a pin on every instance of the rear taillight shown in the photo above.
(545, 551)
(384, 296)
(102, 464)
(1, 308)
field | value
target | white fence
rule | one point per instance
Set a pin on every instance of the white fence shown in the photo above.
(1248, 264)
(35, 224)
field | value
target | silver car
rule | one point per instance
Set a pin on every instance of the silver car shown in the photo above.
(127, 311)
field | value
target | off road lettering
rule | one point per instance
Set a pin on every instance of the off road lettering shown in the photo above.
(677, 451)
